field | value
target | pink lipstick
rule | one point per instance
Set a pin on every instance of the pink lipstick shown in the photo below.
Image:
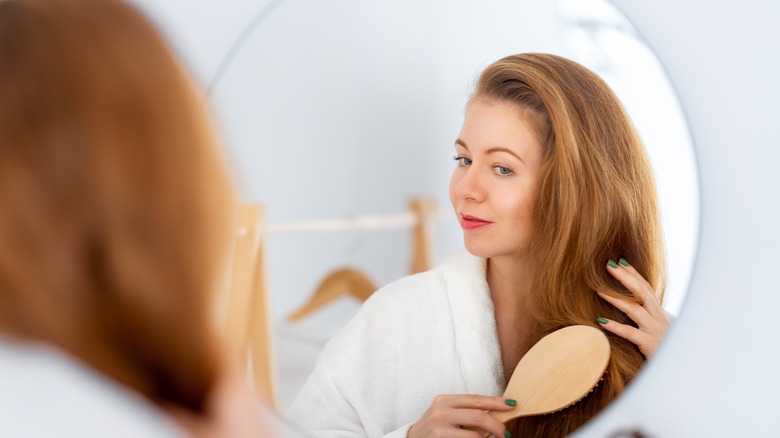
(469, 222)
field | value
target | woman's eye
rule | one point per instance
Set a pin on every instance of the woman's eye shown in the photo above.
(501, 170)
(463, 161)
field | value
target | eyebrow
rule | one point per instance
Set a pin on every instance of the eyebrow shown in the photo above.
(493, 149)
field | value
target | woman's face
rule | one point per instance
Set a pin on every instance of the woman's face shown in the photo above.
(494, 184)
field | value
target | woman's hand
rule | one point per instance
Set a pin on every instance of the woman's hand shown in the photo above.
(647, 314)
(461, 416)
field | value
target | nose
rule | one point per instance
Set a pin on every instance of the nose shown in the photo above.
(467, 184)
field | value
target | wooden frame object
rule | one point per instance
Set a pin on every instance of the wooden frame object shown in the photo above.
(425, 212)
(248, 322)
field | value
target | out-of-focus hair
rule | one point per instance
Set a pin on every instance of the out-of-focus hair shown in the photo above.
(115, 204)
(596, 200)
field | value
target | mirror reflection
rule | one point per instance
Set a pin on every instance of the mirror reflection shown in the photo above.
(338, 115)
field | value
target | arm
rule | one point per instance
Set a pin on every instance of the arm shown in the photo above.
(321, 410)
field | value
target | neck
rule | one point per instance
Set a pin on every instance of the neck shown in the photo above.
(508, 282)
(507, 279)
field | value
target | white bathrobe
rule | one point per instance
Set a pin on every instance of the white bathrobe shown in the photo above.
(423, 335)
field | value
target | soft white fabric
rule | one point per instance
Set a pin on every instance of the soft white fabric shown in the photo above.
(44, 393)
(423, 335)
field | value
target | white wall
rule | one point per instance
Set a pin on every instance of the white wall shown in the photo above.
(202, 31)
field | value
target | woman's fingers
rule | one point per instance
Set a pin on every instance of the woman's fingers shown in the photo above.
(449, 423)
(650, 317)
(635, 311)
(461, 415)
(626, 332)
(464, 433)
(473, 401)
(651, 328)
(475, 419)
(637, 285)
(646, 342)
(627, 275)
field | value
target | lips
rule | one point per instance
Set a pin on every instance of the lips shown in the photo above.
(469, 222)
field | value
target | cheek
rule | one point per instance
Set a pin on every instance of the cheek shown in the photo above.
(519, 205)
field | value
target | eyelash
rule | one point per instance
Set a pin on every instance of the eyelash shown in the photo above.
(503, 174)
(462, 162)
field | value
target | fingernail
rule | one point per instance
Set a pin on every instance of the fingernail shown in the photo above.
(507, 433)
(612, 263)
(510, 402)
(601, 320)
(623, 261)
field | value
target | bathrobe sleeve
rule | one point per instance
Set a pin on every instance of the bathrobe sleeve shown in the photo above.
(378, 375)
(323, 411)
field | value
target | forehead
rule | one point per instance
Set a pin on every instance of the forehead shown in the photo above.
(490, 124)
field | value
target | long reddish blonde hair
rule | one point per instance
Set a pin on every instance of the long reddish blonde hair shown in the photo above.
(116, 206)
(596, 201)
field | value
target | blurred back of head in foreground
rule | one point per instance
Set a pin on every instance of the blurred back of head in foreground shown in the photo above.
(115, 205)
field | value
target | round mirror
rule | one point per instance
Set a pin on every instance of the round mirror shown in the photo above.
(348, 108)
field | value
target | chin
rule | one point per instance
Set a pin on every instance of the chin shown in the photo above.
(480, 249)
(486, 249)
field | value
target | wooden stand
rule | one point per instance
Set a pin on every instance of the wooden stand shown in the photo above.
(247, 327)
(424, 210)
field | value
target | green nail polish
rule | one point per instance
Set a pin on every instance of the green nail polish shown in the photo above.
(510, 402)
(623, 261)
(601, 320)
(507, 433)
(612, 263)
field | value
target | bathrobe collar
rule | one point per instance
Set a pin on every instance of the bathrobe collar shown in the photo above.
(476, 338)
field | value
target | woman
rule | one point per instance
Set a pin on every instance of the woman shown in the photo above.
(552, 186)
(115, 220)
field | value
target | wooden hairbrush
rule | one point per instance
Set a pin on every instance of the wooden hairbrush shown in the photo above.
(560, 370)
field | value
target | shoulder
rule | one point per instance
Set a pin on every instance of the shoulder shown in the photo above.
(459, 266)
(406, 290)
(427, 287)
(416, 301)
(396, 307)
